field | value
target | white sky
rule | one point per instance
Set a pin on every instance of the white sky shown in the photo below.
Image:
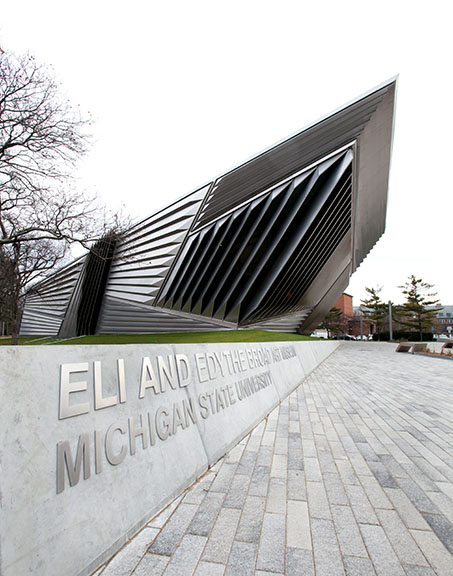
(182, 91)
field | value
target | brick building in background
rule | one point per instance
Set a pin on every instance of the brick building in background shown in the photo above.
(349, 322)
(351, 319)
(344, 303)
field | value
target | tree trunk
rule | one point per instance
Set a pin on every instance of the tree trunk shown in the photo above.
(15, 320)
(15, 304)
(14, 338)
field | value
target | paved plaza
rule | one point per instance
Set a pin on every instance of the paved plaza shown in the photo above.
(351, 474)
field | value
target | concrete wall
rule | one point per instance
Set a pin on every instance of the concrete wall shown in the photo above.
(96, 439)
(436, 347)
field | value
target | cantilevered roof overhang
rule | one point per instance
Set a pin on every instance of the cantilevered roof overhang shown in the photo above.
(366, 124)
(364, 127)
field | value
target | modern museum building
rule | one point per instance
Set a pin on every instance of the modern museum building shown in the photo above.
(271, 244)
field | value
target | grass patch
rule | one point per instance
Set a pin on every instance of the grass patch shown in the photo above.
(26, 340)
(166, 338)
(187, 338)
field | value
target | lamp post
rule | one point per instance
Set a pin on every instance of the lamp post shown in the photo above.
(390, 322)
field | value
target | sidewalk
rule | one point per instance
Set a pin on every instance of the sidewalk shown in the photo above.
(352, 474)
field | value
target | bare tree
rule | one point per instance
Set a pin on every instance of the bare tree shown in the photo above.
(41, 138)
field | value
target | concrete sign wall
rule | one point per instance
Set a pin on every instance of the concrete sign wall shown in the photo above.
(96, 439)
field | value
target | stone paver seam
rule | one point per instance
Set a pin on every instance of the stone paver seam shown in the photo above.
(370, 430)
(216, 517)
(409, 422)
(384, 444)
(303, 387)
(243, 504)
(403, 524)
(354, 513)
(387, 536)
(309, 516)
(286, 513)
(350, 507)
(265, 498)
(415, 479)
(286, 482)
(185, 532)
(421, 513)
(102, 569)
(222, 507)
(143, 555)
(181, 498)
(206, 543)
(403, 413)
(409, 531)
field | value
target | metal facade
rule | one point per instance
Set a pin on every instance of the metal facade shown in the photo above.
(271, 244)
(47, 303)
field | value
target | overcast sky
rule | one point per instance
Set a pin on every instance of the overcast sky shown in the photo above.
(182, 91)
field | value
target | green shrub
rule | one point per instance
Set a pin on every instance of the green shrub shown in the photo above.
(403, 335)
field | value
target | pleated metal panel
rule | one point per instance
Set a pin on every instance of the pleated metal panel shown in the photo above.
(98, 263)
(281, 161)
(290, 323)
(257, 262)
(46, 303)
(323, 232)
(130, 318)
(142, 259)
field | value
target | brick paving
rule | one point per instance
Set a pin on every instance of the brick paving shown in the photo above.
(352, 474)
